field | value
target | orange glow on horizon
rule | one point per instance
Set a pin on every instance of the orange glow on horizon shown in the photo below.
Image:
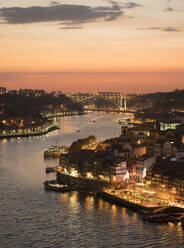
(130, 82)
(139, 50)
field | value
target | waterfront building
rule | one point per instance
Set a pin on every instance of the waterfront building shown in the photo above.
(166, 179)
(118, 171)
(141, 165)
(80, 162)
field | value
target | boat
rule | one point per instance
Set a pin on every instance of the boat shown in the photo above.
(54, 186)
(78, 130)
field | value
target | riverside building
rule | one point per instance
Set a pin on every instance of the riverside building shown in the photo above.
(166, 179)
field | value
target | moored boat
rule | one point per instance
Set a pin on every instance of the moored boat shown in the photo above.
(54, 186)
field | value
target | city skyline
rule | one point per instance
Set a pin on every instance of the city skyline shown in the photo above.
(92, 46)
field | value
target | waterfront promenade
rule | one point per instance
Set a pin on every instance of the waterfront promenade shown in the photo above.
(27, 132)
(144, 203)
(61, 114)
(37, 130)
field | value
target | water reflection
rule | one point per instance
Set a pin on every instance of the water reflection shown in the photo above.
(4, 141)
(48, 219)
(89, 202)
(113, 210)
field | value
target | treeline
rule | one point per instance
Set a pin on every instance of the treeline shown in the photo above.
(158, 102)
(76, 146)
(13, 104)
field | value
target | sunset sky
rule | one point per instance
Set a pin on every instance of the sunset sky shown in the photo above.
(80, 45)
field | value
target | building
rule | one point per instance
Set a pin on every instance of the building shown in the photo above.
(142, 164)
(166, 125)
(166, 179)
(163, 148)
(146, 128)
(118, 171)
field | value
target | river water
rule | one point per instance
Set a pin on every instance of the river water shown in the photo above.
(32, 217)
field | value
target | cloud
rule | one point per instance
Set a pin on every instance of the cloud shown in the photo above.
(165, 29)
(169, 9)
(70, 14)
(155, 28)
(54, 3)
(170, 29)
(72, 27)
(132, 5)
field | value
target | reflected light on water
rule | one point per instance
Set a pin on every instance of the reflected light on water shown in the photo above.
(89, 200)
(73, 199)
(123, 212)
(64, 196)
(114, 210)
(134, 216)
(4, 141)
(100, 204)
(180, 231)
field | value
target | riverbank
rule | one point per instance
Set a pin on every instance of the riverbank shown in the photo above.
(40, 130)
(153, 213)
(62, 114)
(98, 187)
(19, 134)
(157, 214)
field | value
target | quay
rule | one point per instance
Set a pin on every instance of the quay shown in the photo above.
(149, 212)
(99, 188)
(15, 133)
(61, 114)
(124, 203)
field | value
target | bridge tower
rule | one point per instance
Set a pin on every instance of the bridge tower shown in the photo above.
(125, 103)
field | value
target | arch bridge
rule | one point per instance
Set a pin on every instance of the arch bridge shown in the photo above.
(116, 98)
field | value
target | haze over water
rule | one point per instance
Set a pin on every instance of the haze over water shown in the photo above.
(32, 217)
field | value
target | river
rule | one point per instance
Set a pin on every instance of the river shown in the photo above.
(33, 217)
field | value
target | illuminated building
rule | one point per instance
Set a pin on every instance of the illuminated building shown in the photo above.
(166, 178)
(118, 171)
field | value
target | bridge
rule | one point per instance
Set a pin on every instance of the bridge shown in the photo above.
(116, 98)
